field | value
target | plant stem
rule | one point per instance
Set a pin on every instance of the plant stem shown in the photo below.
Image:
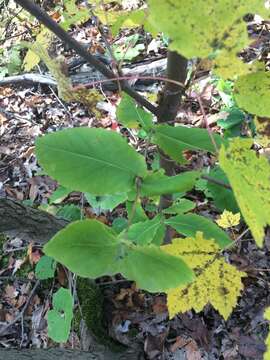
(167, 112)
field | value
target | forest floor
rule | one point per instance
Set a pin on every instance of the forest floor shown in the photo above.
(131, 317)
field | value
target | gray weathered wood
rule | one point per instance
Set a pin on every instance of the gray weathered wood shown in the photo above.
(90, 75)
(27, 222)
(64, 354)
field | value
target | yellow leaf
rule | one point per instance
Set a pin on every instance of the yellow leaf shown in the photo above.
(228, 219)
(249, 177)
(263, 131)
(216, 282)
(267, 343)
(31, 58)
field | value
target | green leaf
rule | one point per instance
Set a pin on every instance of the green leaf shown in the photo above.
(159, 184)
(90, 249)
(69, 212)
(59, 319)
(119, 224)
(223, 198)
(235, 116)
(105, 202)
(86, 247)
(45, 268)
(174, 140)
(73, 14)
(143, 233)
(137, 215)
(59, 194)
(249, 176)
(129, 50)
(251, 95)
(189, 224)
(131, 116)
(90, 160)
(154, 270)
(180, 207)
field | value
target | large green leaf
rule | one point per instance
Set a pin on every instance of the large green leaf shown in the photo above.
(189, 224)
(86, 247)
(251, 94)
(143, 233)
(249, 177)
(130, 115)
(154, 270)
(59, 318)
(174, 140)
(90, 249)
(159, 184)
(90, 160)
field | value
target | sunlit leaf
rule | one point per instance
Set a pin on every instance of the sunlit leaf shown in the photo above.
(249, 177)
(199, 28)
(228, 219)
(217, 282)
(251, 95)
(31, 58)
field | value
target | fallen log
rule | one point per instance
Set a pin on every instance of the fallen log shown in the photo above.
(89, 75)
(28, 223)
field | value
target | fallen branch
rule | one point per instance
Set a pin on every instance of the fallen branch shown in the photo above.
(52, 25)
(28, 223)
(32, 78)
(154, 68)
(64, 354)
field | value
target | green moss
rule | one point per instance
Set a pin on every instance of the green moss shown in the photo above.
(3, 259)
(2, 241)
(91, 302)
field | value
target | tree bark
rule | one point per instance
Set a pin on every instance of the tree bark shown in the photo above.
(167, 112)
(28, 223)
(63, 354)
